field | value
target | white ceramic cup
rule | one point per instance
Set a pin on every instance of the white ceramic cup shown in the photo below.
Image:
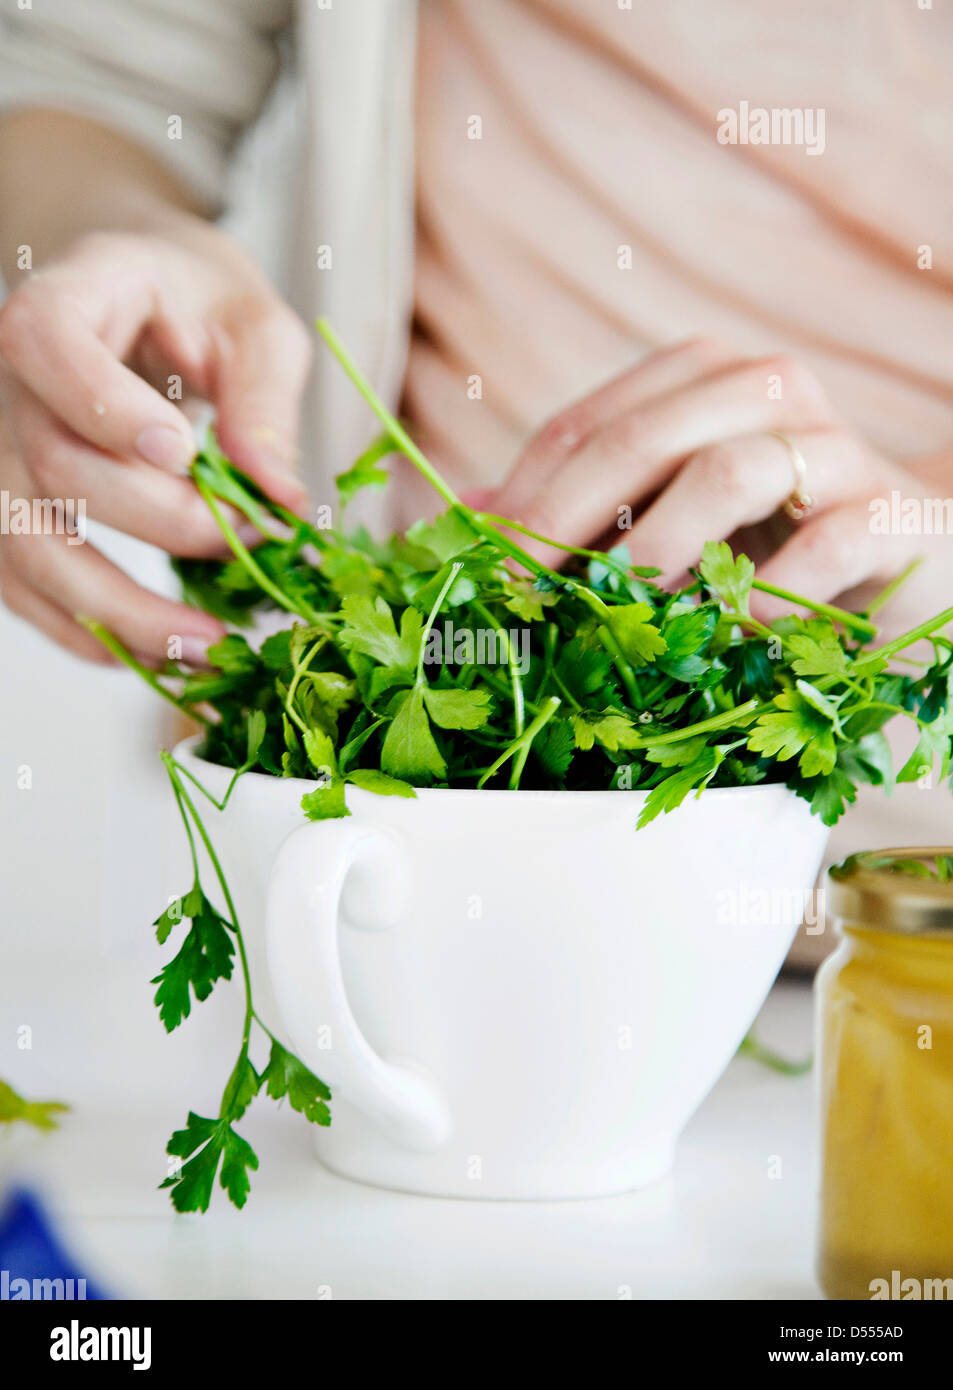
(512, 994)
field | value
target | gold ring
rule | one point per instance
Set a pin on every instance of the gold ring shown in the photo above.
(800, 502)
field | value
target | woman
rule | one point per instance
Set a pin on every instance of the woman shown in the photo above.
(739, 220)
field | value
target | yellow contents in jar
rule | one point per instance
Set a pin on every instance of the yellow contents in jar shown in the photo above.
(886, 1073)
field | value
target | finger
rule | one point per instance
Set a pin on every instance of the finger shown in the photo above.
(56, 352)
(52, 620)
(632, 457)
(262, 358)
(132, 497)
(79, 580)
(738, 482)
(478, 498)
(562, 436)
(829, 555)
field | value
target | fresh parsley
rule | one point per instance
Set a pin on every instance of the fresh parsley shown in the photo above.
(596, 678)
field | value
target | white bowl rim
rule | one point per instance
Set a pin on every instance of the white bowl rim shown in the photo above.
(188, 745)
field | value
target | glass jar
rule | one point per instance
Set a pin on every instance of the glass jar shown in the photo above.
(885, 1015)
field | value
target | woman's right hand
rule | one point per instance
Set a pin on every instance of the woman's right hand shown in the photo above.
(92, 349)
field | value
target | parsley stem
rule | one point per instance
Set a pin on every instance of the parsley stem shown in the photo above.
(746, 620)
(299, 671)
(242, 553)
(432, 617)
(185, 821)
(611, 643)
(501, 688)
(838, 615)
(519, 762)
(750, 1047)
(525, 739)
(420, 461)
(705, 726)
(602, 556)
(393, 427)
(114, 645)
(515, 682)
(907, 639)
(263, 1026)
(888, 591)
(608, 639)
(219, 805)
(565, 692)
(226, 894)
(550, 638)
(356, 742)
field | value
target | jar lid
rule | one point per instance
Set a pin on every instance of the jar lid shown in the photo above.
(903, 890)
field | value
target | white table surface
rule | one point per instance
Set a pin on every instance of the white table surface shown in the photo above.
(735, 1220)
(82, 874)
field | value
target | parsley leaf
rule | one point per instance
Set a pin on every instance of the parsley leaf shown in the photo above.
(446, 538)
(326, 802)
(457, 709)
(409, 751)
(816, 650)
(365, 472)
(370, 628)
(554, 748)
(672, 791)
(205, 1144)
(612, 730)
(205, 956)
(934, 741)
(372, 781)
(727, 576)
(631, 625)
(794, 727)
(686, 637)
(286, 1076)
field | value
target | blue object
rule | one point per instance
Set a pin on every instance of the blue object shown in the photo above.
(31, 1252)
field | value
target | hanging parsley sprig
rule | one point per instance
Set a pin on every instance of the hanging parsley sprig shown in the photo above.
(211, 1146)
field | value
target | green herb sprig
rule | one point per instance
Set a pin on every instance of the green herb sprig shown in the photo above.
(451, 657)
(210, 1146)
(41, 1114)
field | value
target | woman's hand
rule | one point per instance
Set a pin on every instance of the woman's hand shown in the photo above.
(681, 450)
(92, 347)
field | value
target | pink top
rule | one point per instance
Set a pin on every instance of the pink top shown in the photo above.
(600, 131)
(598, 216)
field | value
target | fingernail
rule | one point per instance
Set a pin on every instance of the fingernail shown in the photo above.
(195, 650)
(165, 447)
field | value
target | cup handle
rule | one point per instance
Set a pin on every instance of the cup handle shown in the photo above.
(315, 865)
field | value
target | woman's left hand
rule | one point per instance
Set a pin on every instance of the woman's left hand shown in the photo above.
(682, 450)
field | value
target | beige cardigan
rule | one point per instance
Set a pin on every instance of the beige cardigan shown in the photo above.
(342, 142)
